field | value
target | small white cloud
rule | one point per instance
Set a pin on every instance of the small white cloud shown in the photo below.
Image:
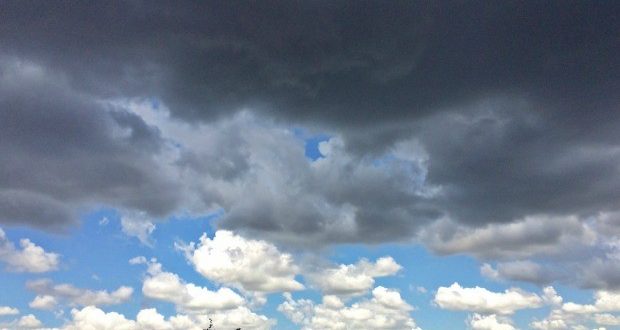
(490, 322)
(93, 318)
(29, 322)
(551, 297)
(187, 297)
(481, 300)
(385, 310)
(139, 260)
(44, 302)
(353, 279)
(79, 296)
(252, 265)
(30, 258)
(607, 319)
(104, 221)
(6, 310)
(25, 322)
(138, 225)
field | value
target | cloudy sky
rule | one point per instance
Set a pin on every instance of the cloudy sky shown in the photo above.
(310, 165)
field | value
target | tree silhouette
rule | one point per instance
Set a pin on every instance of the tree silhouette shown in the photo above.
(211, 325)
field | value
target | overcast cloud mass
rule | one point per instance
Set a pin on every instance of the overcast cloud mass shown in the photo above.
(486, 130)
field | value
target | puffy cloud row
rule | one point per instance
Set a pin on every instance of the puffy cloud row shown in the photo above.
(385, 310)
(25, 322)
(481, 300)
(492, 309)
(93, 318)
(344, 303)
(29, 321)
(48, 294)
(28, 258)
(353, 279)
(187, 297)
(251, 265)
(490, 322)
(570, 315)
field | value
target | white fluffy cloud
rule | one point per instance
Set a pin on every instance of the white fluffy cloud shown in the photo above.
(607, 319)
(385, 310)
(28, 258)
(93, 318)
(138, 225)
(29, 322)
(481, 300)
(553, 322)
(45, 302)
(490, 322)
(572, 315)
(187, 297)
(353, 279)
(7, 310)
(605, 301)
(25, 322)
(252, 265)
(78, 296)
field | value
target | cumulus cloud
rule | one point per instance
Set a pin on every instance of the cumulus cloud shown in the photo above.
(78, 296)
(555, 320)
(7, 310)
(45, 302)
(490, 322)
(481, 300)
(187, 297)
(385, 310)
(25, 322)
(138, 225)
(573, 315)
(28, 258)
(607, 319)
(353, 279)
(252, 265)
(605, 301)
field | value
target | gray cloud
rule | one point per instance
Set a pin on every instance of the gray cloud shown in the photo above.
(62, 151)
(484, 114)
(343, 62)
(522, 270)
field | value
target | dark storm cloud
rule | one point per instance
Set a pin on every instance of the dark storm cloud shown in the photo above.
(514, 103)
(499, 162)
(60, 150)
(338, 62)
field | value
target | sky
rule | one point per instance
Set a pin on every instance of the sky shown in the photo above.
(310, 165)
